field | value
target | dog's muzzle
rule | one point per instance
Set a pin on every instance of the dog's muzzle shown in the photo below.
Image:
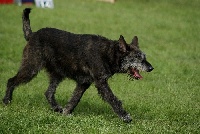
(135, 73)
(148, 66)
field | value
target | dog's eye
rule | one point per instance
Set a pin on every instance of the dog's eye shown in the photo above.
(137, 55)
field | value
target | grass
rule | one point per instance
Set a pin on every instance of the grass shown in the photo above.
(167, 100)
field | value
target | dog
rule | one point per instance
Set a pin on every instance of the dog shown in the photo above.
(84, 58)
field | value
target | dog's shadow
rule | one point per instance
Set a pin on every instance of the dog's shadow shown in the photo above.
(104, 110)
(85, 107)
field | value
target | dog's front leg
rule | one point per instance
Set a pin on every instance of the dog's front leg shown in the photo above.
(77, 94)
(50, 95)
(108, 96)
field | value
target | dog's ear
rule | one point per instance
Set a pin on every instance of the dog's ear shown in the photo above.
(122, 44)
(135, 41)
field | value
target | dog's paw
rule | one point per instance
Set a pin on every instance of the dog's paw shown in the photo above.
(127, 118)
(57, 109)
(6, 101)
(66, 111)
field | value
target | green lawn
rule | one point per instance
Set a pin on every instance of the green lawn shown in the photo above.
(167, 100)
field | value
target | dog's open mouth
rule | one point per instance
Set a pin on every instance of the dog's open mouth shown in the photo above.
(135, 73)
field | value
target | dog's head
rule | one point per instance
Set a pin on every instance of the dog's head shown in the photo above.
(133, 60)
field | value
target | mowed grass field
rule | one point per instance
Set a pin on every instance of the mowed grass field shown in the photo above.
(167, 100)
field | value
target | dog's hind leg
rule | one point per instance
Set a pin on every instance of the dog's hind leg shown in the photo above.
(31, 65)
(77, 94)
(24, 75)
(108, 96)
(54, 81)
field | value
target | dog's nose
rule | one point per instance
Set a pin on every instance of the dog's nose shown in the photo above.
(150, 69)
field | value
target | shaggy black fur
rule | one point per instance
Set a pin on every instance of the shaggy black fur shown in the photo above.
(85, 58)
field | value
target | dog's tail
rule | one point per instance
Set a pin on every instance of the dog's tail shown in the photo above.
(26, 23)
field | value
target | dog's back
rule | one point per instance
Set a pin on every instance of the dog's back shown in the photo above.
(72, 55)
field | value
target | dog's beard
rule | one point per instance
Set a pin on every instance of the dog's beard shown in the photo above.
(133, 70)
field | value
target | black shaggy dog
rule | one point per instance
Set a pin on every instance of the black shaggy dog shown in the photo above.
(85, 58)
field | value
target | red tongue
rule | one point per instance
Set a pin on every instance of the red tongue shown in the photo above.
(136, 73)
